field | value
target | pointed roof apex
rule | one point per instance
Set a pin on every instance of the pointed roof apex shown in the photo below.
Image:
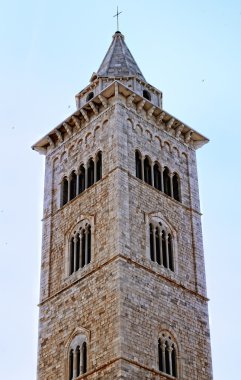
(118, 61)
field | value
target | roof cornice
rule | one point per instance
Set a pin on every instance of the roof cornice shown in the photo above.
(101, 102)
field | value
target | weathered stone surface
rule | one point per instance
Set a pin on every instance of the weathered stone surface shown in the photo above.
(122, 299)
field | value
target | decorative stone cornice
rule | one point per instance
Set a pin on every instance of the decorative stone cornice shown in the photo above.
(106, 99)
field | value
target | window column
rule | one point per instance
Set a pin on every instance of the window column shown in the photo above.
(171, 183)
(167, 249)
(69, 187)
(162, 181)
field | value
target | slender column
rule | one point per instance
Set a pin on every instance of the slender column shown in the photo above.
(170, 359)
(81, 361)
(162, 182)
(75, 250)
(154, 242)
(86, 245)
(80, 251)
(152, 174)
(164, 356)
(69, 182)
(77, 182)
(86, 176)
(75, 364)
(70, 254)
(142, 168)
(167, 250)
(161, 253)
(171, 183)
(95, 169)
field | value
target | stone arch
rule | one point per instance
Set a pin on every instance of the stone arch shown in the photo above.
(105, 124)
(88, 137)
(63, 156)
(149, 134)
(71, 150)
(130, 124)
(158, 140)
(167, 146)
(96, 131)
(139, 129)
(176, 151)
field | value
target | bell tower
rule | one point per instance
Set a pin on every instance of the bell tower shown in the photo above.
(123, 292)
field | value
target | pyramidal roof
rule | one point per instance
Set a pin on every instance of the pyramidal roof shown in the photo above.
(118, 61)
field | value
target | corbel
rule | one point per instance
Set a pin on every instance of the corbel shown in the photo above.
(94, 108)
(67, 128)
(103, 100)
(59, 135)
(188, 136)
(85, 115)
(130, 99)
(150, 112)
(76, 122)
(170, 124)
(161, 117)
(178, 130)
(140, 105)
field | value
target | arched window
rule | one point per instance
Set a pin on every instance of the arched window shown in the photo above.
(73, 182)
(80, 248)
(98, 166)
(146, 94)
(176, 187)
(64, 191)
(138, 165)
(161, 245)
(81, 179)
(167, 181)
(77, 357)
(90, 172)
(157, 177)
(89, 96)
(147, 171)
(167, 355)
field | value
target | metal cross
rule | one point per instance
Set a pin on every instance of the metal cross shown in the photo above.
(117, 18)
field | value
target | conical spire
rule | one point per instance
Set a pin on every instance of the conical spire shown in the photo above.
(118, 61)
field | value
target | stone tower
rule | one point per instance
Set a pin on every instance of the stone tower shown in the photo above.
(123, 293)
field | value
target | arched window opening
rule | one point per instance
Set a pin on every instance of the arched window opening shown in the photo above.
(71, 256)
(90, 172)
(147, 171)
(71, 364)
(78, 361)
(80, 249)
(158, 251)
(81, 179)
(167, 181)
(89, 96)
(84, 353)
(151, 243)
(98, 166)
(176, 187)
(157, 177)
(138, 165)
(64, 190)
(170, 253)
(164, 249)
(167, 358)
(77, 358)
(73, 181)
(146, 94)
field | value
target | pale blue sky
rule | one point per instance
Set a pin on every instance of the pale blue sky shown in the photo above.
(190, 50)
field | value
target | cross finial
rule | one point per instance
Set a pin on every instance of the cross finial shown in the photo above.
(117, 18)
